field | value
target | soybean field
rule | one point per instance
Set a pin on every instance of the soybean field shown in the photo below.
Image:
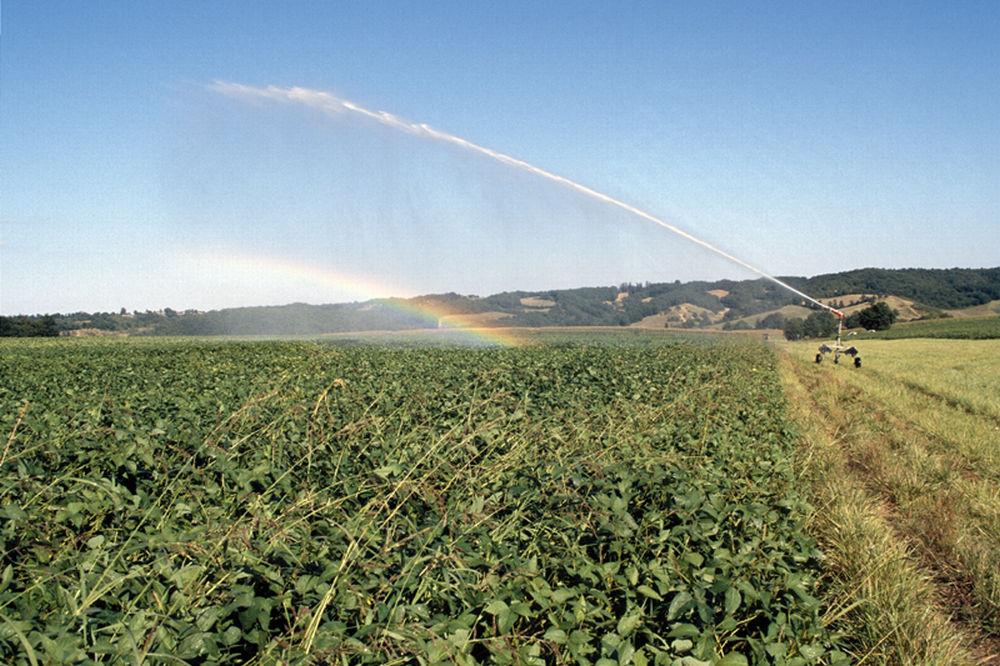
(631, 500)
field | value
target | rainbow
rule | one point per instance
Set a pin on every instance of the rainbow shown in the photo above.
(333, 106)
(436, 314)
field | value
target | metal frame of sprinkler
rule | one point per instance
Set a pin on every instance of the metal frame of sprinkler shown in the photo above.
(838, 348)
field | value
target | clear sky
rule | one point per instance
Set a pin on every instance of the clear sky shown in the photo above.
(803, 137)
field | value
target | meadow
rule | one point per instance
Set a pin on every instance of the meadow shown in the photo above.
(904, 461)
(196, 501)
(958, 328)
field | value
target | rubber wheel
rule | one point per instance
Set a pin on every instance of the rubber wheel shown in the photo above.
(857, 361)
(836, 360)
(819, 358)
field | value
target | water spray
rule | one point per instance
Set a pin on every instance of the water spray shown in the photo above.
(332, 105)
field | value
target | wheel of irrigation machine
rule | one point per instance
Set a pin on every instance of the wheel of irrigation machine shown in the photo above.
(857, 361)
(819, 358)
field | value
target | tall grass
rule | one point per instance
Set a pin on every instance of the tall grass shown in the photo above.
(911, 516)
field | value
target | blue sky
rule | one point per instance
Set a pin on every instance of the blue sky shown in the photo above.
(803, 137)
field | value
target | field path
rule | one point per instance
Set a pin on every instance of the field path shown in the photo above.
(905, 467)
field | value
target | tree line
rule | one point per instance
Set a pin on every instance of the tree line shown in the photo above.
(732, 301)
(823, 324)
(29, 327)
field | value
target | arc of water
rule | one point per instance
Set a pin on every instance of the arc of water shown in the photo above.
(331, 104)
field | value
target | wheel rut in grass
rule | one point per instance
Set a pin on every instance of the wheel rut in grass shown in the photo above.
(950, 401)
(868, 434)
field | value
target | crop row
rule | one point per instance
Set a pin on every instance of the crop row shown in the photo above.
(226, 502)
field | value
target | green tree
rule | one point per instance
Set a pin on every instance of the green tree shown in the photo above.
(28, 327)
(793, 329)
(819, 324)
(773, 320)
(47, 327)
(877, 317)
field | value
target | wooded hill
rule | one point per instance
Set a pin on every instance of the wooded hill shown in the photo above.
(689, 304)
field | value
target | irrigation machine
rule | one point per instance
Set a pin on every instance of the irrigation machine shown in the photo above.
(838, 347)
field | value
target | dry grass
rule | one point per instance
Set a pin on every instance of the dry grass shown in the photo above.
(788, 311)
(960, 373)
(990, 309)
(537, 302)
(905, 307)
(677, 315)
(909, 513)
(471, 320)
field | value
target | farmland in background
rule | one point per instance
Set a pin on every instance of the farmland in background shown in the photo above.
(913, 292)
(966, 328)
(632, 501)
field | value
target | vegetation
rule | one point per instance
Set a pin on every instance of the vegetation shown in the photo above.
(904, 470)
(773, 320)
(28, 327)
(939, 288)
(876, 317)
(823, 324)
(561, 503)
(819, 324)
(971, 328)
(50, 325)
(595, 306)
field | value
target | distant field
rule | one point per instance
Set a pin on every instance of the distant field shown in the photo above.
(984, 310)
(472, 320)
(788, 311)
(969, 328)
(905, 308)
(520, 337)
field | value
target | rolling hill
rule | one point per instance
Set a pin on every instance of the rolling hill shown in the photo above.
(915, 293)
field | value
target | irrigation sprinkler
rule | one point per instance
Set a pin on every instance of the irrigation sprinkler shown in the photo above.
(838, 347)
(335, 106)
